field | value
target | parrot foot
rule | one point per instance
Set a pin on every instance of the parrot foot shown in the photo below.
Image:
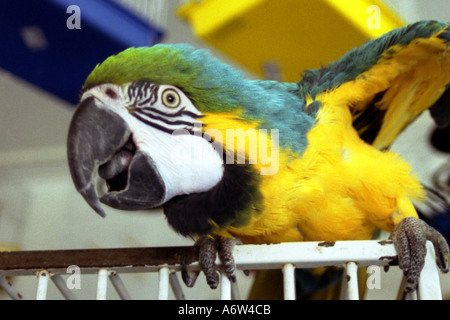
(209, 247)
(409, 238)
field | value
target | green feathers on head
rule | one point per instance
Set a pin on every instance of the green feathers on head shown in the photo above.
(212, 85)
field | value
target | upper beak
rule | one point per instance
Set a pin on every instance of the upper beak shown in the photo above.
(96, 134)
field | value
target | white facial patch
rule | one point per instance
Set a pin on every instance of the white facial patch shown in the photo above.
(187, 163)
(163, 120)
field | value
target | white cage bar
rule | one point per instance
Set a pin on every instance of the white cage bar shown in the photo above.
(166, 262)
(43, 278)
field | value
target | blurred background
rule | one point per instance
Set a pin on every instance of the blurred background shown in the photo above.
(48, 48)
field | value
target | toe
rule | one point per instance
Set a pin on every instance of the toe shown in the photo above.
(409, 238)
(189, 277)
(207, 259)
(226, 256)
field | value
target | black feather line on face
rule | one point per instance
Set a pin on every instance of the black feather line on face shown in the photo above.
(138, 90)
(157, 126)
(227, 203)
(181, 112)
(165, 120)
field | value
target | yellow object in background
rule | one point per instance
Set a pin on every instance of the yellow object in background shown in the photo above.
(8, 247)
(292, 35)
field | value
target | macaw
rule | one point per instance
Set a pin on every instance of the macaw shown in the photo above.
(263, 161)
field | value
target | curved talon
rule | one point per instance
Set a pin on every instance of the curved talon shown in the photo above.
(189, 277)
(409, 238)
(441, 248)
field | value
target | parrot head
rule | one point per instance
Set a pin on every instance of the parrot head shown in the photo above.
(133, 122)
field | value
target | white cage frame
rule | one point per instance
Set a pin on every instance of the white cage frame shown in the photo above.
(166, 261)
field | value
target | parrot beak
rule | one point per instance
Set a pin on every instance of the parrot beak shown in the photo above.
(100, 144)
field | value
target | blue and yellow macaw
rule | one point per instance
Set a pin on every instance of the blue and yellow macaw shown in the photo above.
(263, 161)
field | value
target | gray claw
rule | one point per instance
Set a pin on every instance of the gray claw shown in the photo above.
(409, 238)
(189, 277)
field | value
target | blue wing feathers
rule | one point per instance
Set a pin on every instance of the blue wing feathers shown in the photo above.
(361, 59)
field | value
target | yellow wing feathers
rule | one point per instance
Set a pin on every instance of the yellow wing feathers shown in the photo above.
(406, 81)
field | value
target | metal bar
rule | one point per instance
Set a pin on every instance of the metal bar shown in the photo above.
(235, 295)
(9, 289)
(62, 287)
(314, 254)
(401, 290)
(350, 282)
(429, 283)
(344, 288)
(163, 289)
(410, 296)
(43, 277)
(403, 295)
(90, 260)
(225, 287)
(247, 257)
(176, 287)
(119, 286)
(289, 281)
(102, 284)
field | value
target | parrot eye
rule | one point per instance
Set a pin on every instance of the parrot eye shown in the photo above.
(170, 98)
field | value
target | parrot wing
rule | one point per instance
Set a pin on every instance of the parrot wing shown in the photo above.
(382, 86)
(387, 82)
